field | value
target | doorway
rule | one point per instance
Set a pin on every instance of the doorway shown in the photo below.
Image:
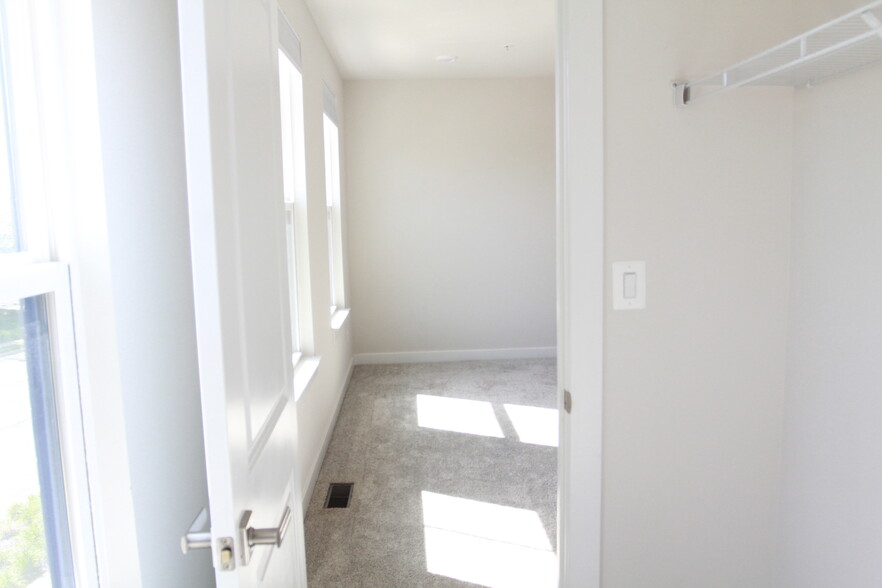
(421, 244)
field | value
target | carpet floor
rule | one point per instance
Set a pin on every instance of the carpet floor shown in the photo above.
(454, 467)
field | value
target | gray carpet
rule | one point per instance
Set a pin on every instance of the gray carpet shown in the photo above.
(483, 501)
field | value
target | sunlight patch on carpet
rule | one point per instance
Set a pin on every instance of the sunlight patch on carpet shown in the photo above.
(457, 415)
(487, 544)
(534, 425)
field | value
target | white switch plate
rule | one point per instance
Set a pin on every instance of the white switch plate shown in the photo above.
(629, 285)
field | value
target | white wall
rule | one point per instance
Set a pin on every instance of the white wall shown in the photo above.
(694, 384)
(450, 188)
(148, 366)
(317, 407)
(833, 530)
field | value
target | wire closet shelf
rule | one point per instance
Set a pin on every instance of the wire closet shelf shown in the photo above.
(842, 45)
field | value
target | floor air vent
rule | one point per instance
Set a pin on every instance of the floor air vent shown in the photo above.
(339, 496)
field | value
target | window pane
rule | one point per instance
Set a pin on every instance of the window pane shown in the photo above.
(332, 195)
(34, 537)
(288, 86)
(9, 238)
(292, 278)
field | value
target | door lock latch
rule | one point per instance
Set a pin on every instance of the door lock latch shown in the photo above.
(227, 558)
(198, 536)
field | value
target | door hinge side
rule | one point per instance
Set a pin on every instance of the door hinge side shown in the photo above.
(568, 401)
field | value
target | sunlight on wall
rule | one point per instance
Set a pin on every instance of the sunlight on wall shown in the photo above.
(457, 415)
(487, 544)
(533, 424)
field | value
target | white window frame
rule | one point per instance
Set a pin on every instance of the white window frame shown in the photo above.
(297, 273)
(52, 279)
(339, 311)
(295, 205)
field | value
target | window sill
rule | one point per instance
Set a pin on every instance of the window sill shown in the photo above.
(338, 319)
(304, 372)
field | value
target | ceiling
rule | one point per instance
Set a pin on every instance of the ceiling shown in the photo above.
(399, 39)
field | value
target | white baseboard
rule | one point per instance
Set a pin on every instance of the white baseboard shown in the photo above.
(317, 465)
(455, 355)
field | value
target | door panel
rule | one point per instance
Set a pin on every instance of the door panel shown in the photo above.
(262, 276)
(238, 248)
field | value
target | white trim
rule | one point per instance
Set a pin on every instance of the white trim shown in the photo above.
(69, 404)
(35, 279)
(304, 372)
(289, 42)
(581, 287)
(338, 318)
(329, 103)
(455, 355)
(317, 464)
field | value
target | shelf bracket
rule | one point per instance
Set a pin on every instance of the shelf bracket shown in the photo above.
(872, 22)
(681, 93)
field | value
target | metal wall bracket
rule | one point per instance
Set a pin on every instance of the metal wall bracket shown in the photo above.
(681, 93)
(872, 22)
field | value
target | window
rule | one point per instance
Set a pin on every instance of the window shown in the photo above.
(296, 219)
(45, 533)
(36, 542)
(294, 181)
(332, 201)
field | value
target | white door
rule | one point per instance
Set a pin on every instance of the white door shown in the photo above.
(233, 148)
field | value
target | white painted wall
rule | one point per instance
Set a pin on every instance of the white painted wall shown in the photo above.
(833, 515)
(317, 407)
(147, 368)
(451, 214)
(694, 384)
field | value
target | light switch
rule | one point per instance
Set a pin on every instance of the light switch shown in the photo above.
(629, 285)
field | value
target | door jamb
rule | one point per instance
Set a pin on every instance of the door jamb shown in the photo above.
(580, 286)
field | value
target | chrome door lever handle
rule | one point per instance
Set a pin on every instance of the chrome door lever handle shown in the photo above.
(270, 536)
(198, 536)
